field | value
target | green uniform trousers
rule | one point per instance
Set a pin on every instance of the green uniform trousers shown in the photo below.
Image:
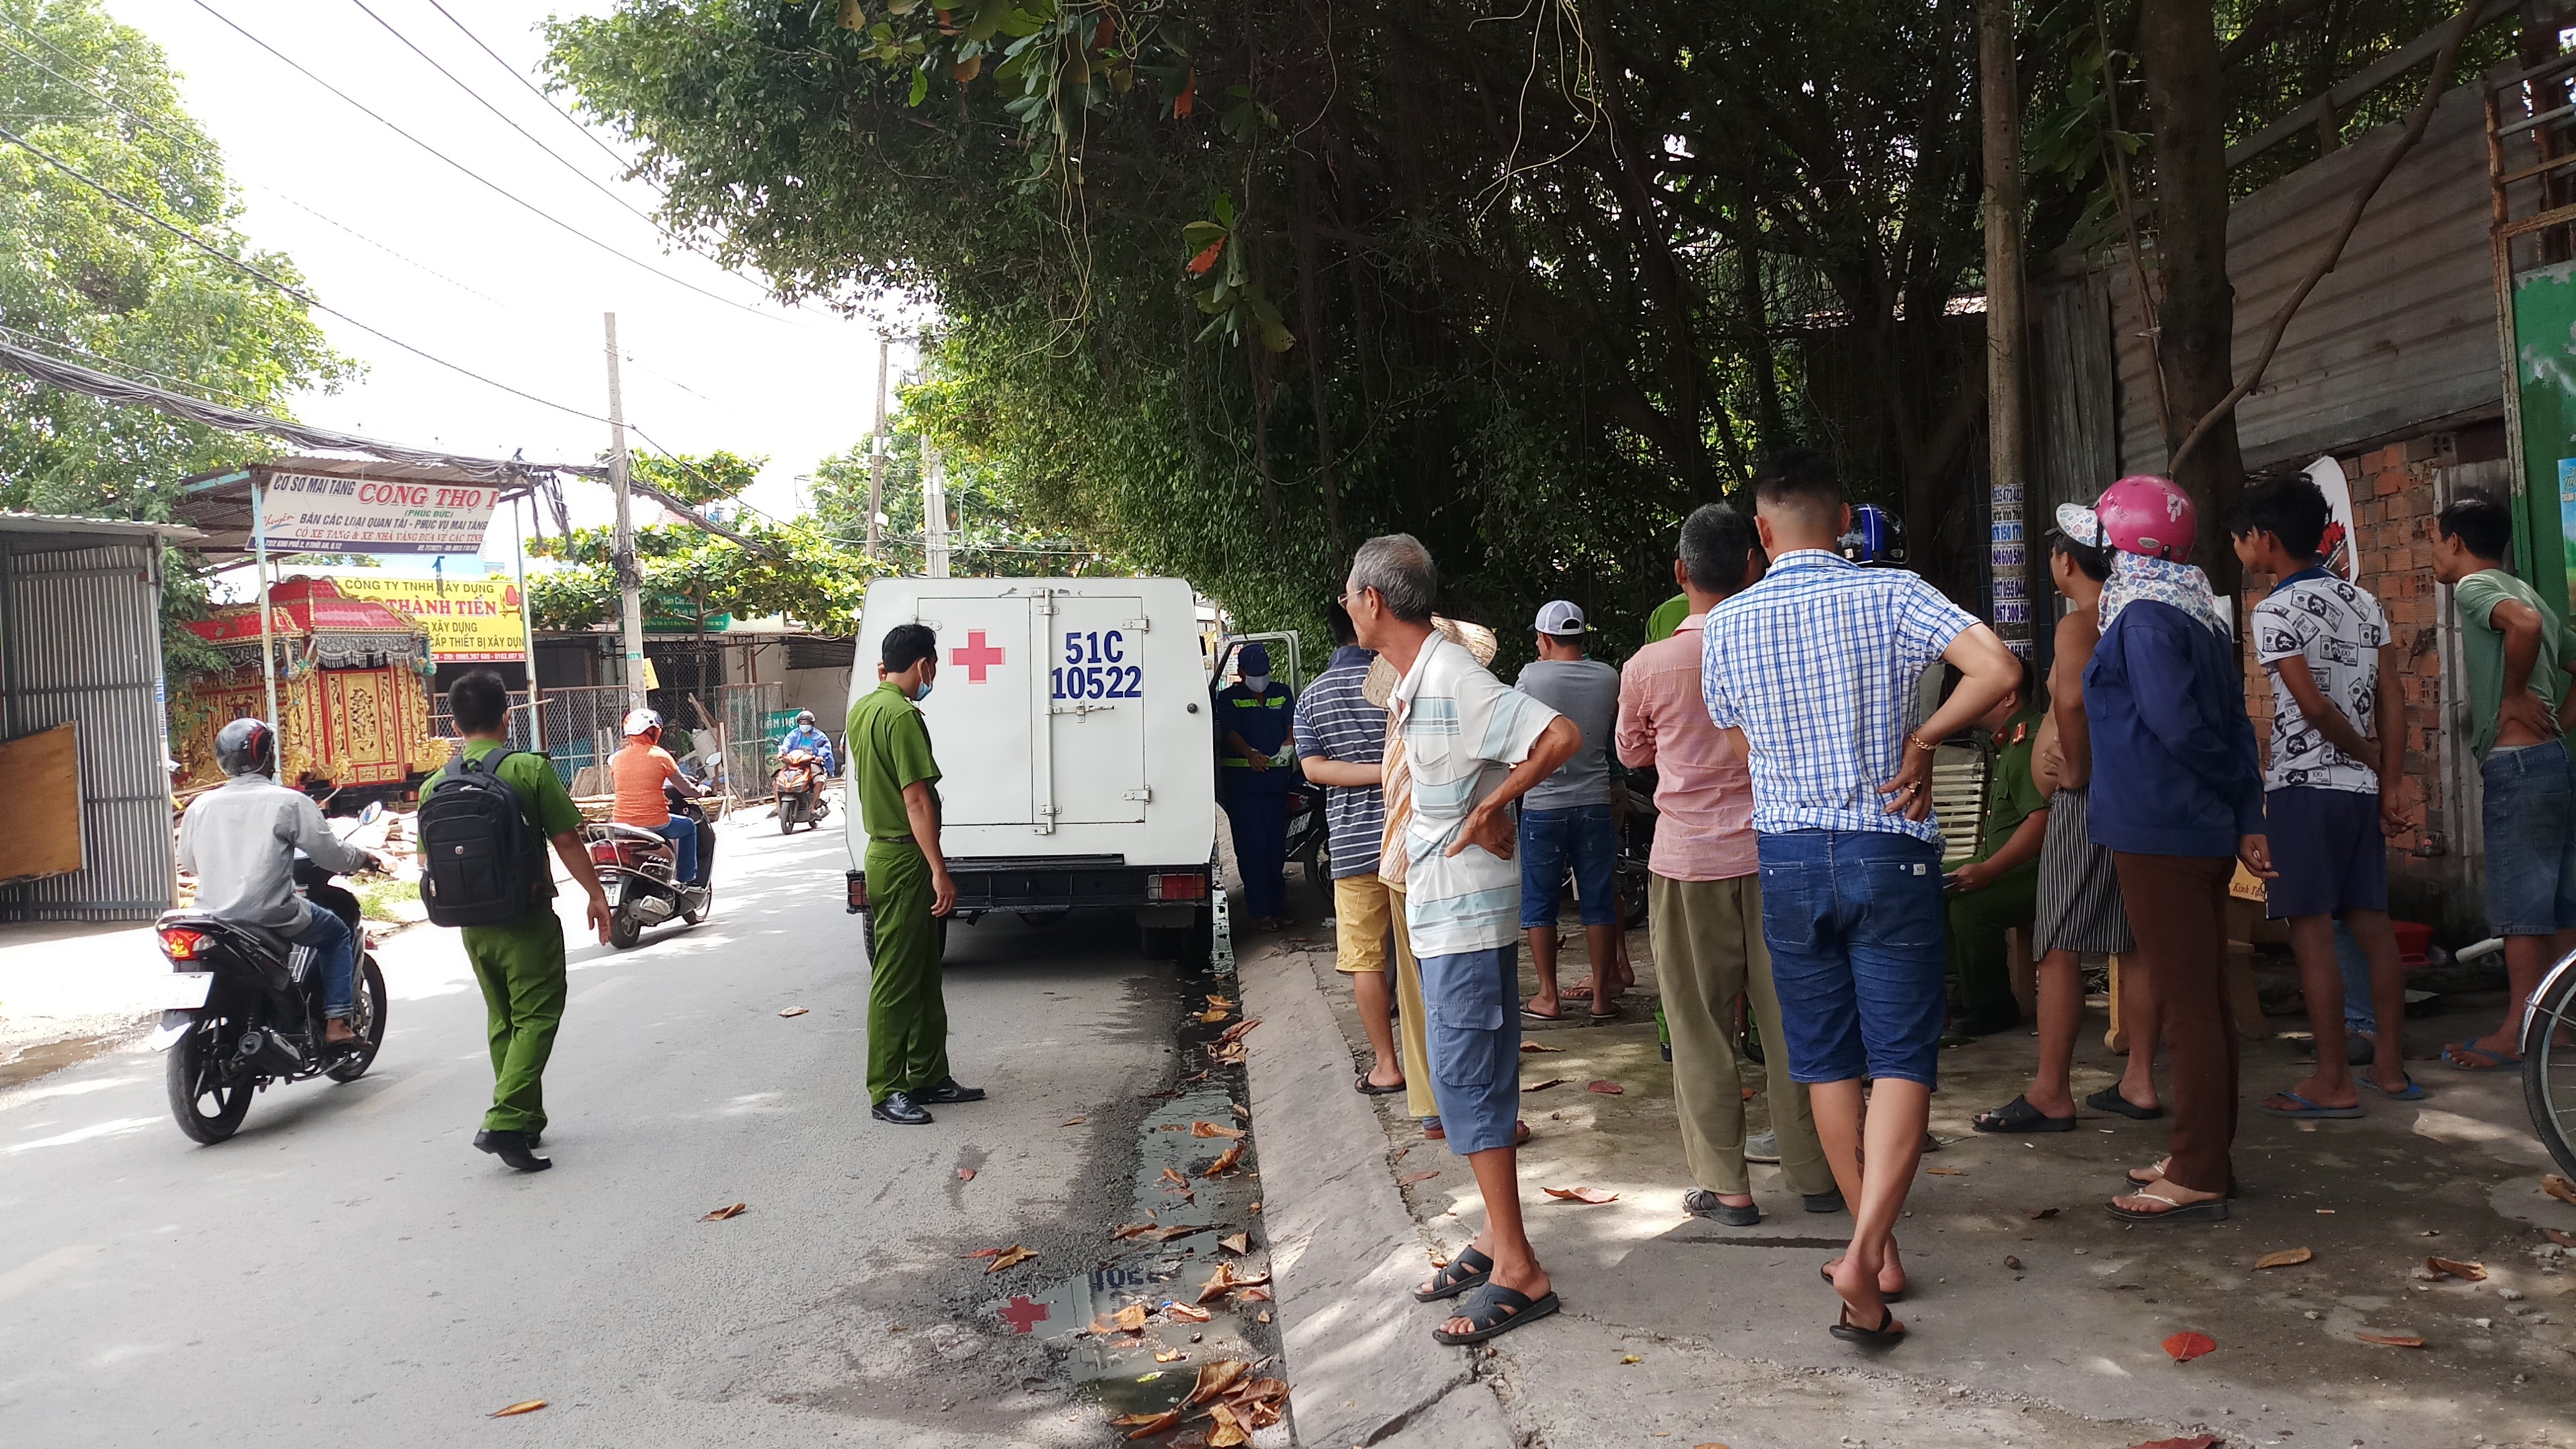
(1978, 921)
(521, 968)
(907, 1015)
(1707, 936)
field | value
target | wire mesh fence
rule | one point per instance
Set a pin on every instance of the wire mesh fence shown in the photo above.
(583, 725)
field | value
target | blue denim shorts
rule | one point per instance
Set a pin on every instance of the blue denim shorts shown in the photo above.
(1854, 920)
(1585, 833)
(2531, 840)
(1471, 1008)
(2329, 849)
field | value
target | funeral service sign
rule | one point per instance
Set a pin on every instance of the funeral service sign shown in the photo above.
(309, 513)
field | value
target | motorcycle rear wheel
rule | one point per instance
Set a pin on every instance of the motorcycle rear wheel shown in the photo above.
(705, 909)
(194, 1084)
(624, 930)
(367, 1019)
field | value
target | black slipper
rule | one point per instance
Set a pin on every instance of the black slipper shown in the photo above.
(2018, 1115)
(1467, 1271)
(1497, 1310)
(1367, 1088)
(2109, 1100)
(1886, 1335)
(1827, 1273)
(1541, 1015)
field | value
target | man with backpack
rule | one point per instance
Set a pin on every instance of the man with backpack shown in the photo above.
(484, 823)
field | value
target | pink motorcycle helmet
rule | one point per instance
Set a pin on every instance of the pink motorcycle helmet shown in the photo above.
(2141, 514)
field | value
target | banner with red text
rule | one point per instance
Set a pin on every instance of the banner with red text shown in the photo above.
(308, 513)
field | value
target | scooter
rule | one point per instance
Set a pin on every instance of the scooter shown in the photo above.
(638, 871)
(798, 782)
(245, 1010)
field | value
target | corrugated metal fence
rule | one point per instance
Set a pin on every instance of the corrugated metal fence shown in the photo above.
(80, 640)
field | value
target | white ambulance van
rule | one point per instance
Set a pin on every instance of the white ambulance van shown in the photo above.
(1070, 718)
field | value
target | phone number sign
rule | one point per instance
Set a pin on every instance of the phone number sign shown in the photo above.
(309, 513)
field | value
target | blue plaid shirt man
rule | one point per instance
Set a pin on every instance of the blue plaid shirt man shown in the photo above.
(1801, 662)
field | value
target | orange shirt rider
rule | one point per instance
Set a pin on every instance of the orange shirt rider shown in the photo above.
(638, 773)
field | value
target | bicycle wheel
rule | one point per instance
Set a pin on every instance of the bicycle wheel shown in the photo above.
(2549, 1066)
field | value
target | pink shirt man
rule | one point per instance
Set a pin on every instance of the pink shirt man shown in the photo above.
(1704, 789)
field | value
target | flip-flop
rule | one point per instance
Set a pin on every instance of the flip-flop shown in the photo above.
(2307, 1110)
(2414, 1091)
(1497, 1310)
(1611, 1015)
(1536, 1015)
(1367, 1088)
(2212, 1211)
(1826, 1272)
(2494, 1062)
(1464, 1273)
(2018, 1115)
(2109, 1100)
(1888, 1334)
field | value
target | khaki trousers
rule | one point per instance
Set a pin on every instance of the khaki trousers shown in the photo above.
(1409, 1029)
(1707, 936)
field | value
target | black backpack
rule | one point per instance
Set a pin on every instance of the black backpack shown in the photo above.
(480, 862)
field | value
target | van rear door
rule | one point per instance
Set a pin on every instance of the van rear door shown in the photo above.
(990, 661)
(1096, 689)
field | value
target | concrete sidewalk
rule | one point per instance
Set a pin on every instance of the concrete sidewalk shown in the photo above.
(2029, 1327)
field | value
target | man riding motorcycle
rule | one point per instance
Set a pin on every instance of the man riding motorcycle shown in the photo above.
(240, 841)
(806, 737)
(639, 773)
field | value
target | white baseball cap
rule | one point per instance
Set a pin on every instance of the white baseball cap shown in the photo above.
(1560, 618)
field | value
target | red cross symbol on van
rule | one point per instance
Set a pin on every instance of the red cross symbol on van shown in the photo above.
(1023, 1313)
(977, 656)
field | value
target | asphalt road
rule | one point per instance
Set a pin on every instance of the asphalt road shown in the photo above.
(349, 1269)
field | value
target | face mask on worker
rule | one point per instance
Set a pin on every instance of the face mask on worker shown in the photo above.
(922, 693)
(1256, 682)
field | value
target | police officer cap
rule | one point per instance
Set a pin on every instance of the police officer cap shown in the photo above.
(246, 747)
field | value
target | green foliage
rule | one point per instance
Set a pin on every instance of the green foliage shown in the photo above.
(992, 533)
(697, 479)
(814, 580)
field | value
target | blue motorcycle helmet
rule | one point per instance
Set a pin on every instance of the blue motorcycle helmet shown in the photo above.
(1877, 538)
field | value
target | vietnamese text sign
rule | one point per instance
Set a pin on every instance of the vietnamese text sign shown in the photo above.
(308, 513)
(469, 620)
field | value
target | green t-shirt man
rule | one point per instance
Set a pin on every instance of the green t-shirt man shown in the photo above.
(2482, 650)
(543, 800)
(2012, 796)
(889, 748)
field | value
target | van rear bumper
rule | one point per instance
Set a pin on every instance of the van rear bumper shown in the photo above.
(1066, 882)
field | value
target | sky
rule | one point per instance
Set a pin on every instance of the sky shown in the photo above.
(481, 281)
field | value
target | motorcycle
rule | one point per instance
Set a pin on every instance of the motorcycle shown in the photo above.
(638, 871)
(798, 782)
(245, 1010)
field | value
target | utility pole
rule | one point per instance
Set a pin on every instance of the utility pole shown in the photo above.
(629, 585)
(934, 510)
(2007, 330)
(877, 457)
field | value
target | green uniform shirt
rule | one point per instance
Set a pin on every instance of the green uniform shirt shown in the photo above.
(889, 749)
(1667, 617)
(542, 797)
(2012, 796)
(2483, 644)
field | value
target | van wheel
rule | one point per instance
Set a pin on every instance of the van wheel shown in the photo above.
(868, 935)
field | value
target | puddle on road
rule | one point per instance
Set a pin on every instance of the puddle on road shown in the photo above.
(53, 1056)
(1173, 1263)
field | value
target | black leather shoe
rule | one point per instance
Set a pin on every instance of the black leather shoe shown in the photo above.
(513, 1148)
(1824, 1202)
(898, 1108)
(949, 1092)
(1700, 1202)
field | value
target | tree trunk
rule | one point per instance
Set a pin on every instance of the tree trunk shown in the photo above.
(2196, 319)
(2007, 331)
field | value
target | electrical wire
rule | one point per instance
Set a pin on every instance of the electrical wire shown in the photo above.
(298, 293)
(493, 186)
(540, 93)
(198, 149)
(39, 341)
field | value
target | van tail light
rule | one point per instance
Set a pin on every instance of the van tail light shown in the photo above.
(1176, 887)
(181, 944)
(858, 888)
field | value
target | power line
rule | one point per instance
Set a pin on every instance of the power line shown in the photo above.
(298, 293)
(512, 197)
(197, 148)
(540, 93)
(39, 340)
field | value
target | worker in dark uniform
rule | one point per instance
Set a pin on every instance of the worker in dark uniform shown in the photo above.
(1255, 715)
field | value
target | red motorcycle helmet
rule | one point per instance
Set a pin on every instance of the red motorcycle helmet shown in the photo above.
(2143, 514)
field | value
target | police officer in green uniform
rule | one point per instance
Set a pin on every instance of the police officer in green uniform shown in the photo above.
(892, 770)
(1998, 888)
(521, 964)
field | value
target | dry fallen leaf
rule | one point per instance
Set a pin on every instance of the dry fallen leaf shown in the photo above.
(2559, 1188)
(1218, 1284)
(2564, 1240)
(1543, 1086)
(1010, 1257)
(2391, 1340)
(2188, 1346)
(1225, 1432)
(1257, 1293)
(1215, 1378)
(1168, 1355)
(1213, 1015)
(965, 1174)
(1172, 1175)
(731, 1210)
(1181, 1230)
(1535, 1047)
(1607, 1089)
(1438, 1258)
(1410, 1178)
(1947, 1171)
(2325, 1212)
(1225, 1161)
(1148, 1425)
(2287, 1257)
(1592, 1195)
(524, 1406)
(1236, 1242)
(2041, 1214)
(1130, 1230)
(793, 1011)
(1075, 1121)
(1213, 999)
(1130, 1319)
(1630, 1358)
(1262, 1317)
(1210, 1129)
(1235, 1032)
(1185, 1313)
(2196, 1441)
(2454, 1267)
